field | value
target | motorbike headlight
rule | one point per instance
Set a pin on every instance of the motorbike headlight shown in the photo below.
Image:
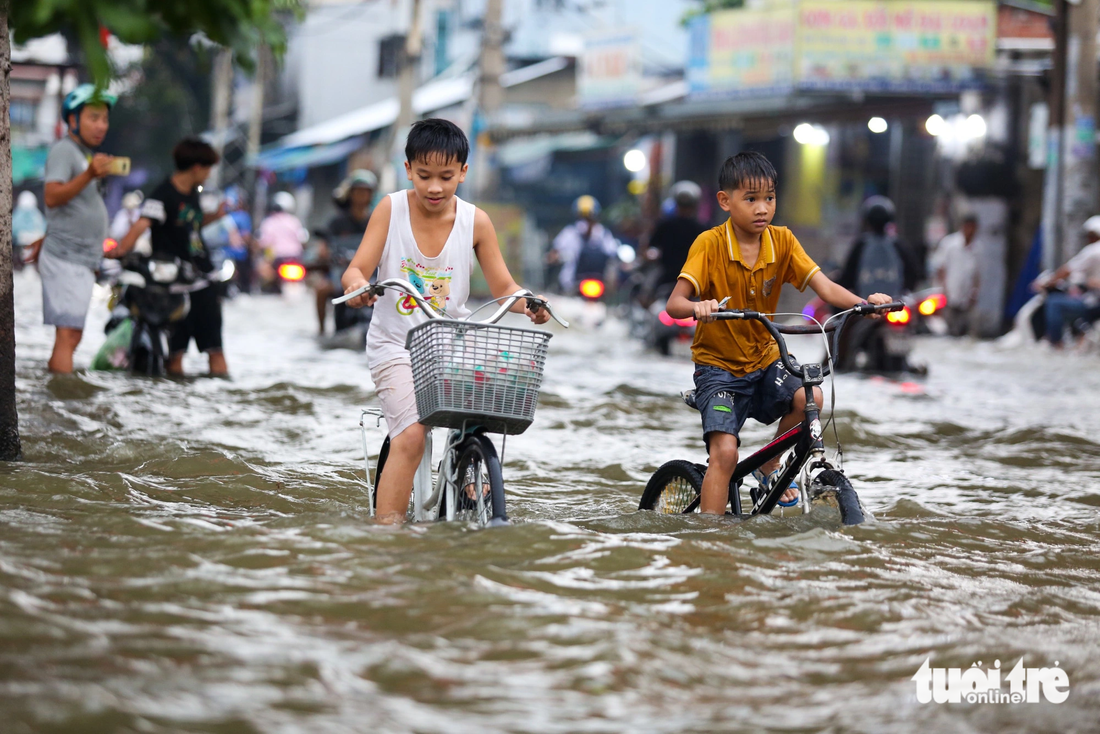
(164, 272)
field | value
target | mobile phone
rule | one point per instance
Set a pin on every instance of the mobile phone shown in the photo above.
(119, 166)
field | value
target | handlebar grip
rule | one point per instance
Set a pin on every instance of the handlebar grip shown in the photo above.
(866, 308)
(368, 288)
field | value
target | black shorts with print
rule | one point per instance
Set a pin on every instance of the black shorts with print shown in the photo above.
(725, 402)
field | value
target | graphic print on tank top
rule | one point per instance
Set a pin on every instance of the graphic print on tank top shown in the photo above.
(432, 283)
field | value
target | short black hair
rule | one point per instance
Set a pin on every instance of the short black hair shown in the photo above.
(744, 169)
(436, 138)
(194, 152)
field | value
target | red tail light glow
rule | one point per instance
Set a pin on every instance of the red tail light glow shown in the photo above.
(932, 304)
(667, 320)
(292, 272)
(592, 288)
(899, 318)
(109, 244)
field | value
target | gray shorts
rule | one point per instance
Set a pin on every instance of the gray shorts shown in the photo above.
(66, 291)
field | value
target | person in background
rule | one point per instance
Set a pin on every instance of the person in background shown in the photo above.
(878, 261)
(76, 220)
(173, 216)
(241, 248)
(955, 268)
(1081, 276)
(281, 235)
(128, 215)
(27, 226)
(584, 247)
(353, 198)
(674, 235)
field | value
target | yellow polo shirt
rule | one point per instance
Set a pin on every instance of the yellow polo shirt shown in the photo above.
(716, 269)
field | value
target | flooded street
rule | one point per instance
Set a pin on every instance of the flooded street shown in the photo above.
(197, 555)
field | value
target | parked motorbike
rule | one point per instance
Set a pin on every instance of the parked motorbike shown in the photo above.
(151, 295)
(884, 345)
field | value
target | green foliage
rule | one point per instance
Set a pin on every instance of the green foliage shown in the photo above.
(706, 7)
(237, 24)
(170, 100)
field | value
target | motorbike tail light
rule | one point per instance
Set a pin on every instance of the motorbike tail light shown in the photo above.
(899, 318)
(686, 323)
(109, 244)
(666, 319)
(292, 272)
(592, 288)
(932, 304)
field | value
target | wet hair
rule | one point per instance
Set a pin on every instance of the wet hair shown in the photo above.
(437, 139)
(746, 169)
(194, 152)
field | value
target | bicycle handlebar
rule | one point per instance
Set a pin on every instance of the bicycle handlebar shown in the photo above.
(778, 330)
(377, 289)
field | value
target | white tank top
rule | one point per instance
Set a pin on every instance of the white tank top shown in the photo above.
(444, 279)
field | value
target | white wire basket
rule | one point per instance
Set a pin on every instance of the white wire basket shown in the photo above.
(469, 374)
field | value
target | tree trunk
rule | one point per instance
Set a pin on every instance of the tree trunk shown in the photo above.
(9, 419)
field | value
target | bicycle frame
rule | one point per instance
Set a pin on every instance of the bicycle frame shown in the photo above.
(806, 438)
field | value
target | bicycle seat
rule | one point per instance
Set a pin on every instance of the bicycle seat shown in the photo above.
(689, 398)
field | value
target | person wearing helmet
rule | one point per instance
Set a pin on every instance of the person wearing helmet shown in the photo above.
(1073, 291)
(585, 247)
(281, 235)
(674, 235)
(27, 226)
(76, 220)
(353, 199)
(878, 261)
(954, 267)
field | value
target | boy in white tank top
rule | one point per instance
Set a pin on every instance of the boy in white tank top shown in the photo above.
(429, 237)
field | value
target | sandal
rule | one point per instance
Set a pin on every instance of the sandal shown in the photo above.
(766, 480)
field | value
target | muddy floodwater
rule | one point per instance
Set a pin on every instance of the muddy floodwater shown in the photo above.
(197, 555)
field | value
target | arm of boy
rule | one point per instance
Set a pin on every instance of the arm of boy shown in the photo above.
(680, 305)
(501, 283)
(840, 297)
(136, 231)
(368, 255)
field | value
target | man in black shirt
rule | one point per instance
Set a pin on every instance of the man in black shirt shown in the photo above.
(174, 218)
(675, 235)
(353, 197)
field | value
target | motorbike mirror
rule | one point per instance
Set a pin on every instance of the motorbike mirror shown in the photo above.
(627, 254)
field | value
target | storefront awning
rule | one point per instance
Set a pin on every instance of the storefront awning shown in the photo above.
(285, 159)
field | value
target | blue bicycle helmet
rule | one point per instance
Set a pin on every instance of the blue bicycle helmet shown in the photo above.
(85, 94)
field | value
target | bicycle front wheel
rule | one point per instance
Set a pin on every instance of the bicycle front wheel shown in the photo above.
(479, 496)
(673, 488)
(833, 488)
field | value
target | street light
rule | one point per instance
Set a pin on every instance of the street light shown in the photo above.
(877, 125)
(634, 160)
(934, 125)
(807, 134)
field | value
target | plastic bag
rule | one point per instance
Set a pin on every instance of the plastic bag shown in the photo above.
(115, 352)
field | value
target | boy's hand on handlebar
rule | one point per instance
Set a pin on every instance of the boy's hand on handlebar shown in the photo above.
(705, 310)
(360, 301)
(536, 311)
(878, 299)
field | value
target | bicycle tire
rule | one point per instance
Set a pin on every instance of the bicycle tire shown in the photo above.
(478, 464)
(673, 488)
(834, 489)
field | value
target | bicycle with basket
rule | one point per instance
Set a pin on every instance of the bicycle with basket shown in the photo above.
(675, 487)
(472, 378)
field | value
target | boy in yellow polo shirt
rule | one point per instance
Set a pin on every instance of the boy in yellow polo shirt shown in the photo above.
(738, 374)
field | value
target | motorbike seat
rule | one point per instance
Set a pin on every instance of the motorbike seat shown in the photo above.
(689, 398)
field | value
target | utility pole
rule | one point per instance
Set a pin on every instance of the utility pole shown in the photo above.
(223, 84)
(1073, 181)
(255, 131)
(407, 78)
(490, 93)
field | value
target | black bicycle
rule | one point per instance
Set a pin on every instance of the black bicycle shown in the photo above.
(675, 487)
